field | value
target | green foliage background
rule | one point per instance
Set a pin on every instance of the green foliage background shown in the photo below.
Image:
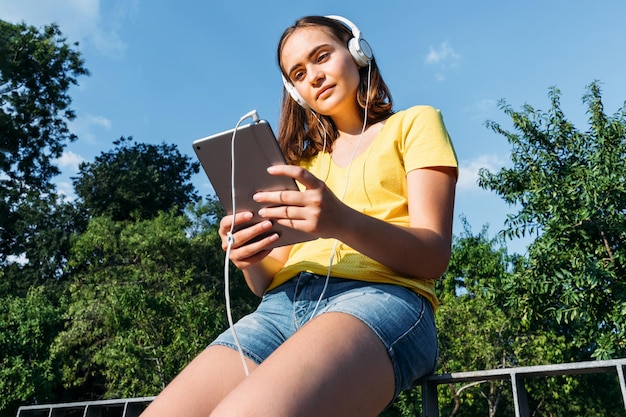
(111, 295)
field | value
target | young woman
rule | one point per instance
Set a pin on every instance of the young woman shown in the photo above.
(346, 320)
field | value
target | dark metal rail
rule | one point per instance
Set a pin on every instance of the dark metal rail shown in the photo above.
(132, 407)
(129, 407)
(430, 402)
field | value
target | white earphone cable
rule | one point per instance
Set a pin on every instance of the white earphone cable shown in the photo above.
(231, 239)
(345, 189)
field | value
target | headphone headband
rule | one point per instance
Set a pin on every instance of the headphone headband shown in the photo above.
(359, 49)
(353, 28)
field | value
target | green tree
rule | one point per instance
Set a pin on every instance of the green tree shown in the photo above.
(45, 226)
(478, 329)
(37, 69)
(145, 298)
(28, 326)
(475, 330)
(136, 181)
(571, 190)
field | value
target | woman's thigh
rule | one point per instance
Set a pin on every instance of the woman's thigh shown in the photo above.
(403, 321)
(203, 383)
(346, 353)
(335, 365)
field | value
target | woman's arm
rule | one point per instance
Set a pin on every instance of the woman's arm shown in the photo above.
(421, 250)
(259, 275)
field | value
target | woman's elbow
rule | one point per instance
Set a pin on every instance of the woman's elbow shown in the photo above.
(436, 263)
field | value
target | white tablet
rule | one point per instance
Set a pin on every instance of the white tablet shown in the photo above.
(255, 149)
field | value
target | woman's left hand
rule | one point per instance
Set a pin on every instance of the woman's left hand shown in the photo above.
(316, 210)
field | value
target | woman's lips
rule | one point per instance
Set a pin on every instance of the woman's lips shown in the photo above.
(323, 92)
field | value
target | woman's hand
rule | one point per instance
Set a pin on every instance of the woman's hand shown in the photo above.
(316, 210)
(245, 253)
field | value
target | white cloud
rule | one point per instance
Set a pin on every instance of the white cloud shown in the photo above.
(37, 12)
(70, 160)
(468, 171)
(85, 127)
(98, 121)
(444, 58)
(482, 109)
(66, 189)
(79, 20)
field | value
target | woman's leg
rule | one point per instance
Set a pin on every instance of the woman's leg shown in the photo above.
(333, 366)
(201, 385)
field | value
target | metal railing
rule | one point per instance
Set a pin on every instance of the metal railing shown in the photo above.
(129, 407)
(132, 407)
(430, 402)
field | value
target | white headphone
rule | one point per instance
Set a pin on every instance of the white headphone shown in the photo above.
(359, 49)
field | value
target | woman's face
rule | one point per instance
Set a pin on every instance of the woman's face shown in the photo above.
(321, 69)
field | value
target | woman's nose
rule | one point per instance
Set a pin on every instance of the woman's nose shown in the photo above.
(315, 75)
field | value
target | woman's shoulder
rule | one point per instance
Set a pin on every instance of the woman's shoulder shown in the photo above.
(409, 115)
(416, 111)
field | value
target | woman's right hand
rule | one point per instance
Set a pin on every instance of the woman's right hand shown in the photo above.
(244, 254)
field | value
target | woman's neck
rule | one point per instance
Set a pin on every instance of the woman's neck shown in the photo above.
(349, 123)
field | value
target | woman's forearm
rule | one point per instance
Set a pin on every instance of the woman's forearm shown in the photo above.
(259, 276)
(421, 250)
(417, 252)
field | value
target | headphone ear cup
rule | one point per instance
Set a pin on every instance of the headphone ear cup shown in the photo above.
(361, 51)
(291, 89)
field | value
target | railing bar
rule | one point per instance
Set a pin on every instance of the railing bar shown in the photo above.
(539, 370)
(622, 383)
(515, 397)
(520, 399)
(430, 399)
(517, 374)
(80, 404)
(429, 384)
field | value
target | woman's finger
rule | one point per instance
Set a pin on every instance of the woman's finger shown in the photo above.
(299, 174)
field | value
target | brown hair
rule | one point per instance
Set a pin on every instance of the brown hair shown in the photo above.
(301, 132)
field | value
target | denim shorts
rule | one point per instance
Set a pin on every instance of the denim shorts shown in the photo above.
(402, 319)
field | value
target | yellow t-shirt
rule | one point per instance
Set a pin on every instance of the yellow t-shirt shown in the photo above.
(376, 186)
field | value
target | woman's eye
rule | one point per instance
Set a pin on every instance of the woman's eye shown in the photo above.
(298, 75)
(323, 57)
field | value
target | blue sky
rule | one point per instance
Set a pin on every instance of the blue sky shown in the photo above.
(180, 70)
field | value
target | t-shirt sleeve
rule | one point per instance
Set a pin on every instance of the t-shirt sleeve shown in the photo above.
(425, 139)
